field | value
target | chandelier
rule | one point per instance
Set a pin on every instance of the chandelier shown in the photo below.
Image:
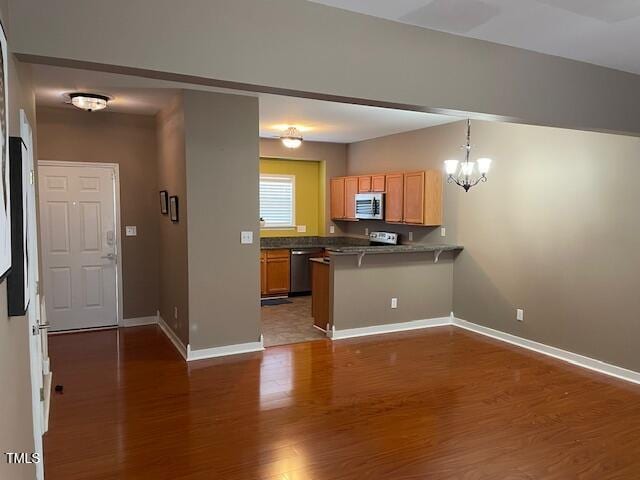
(462, 173)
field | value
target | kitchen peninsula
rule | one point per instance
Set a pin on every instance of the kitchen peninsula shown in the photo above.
(373, 289)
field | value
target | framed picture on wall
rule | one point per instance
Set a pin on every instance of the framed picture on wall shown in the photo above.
(5, 203)
(173, 208)
(164, 202)
(22, 210)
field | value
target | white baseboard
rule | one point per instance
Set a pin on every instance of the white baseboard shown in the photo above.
(389, 328)
(171, 335)
(569, 357)
(225, 350)
(139, 321)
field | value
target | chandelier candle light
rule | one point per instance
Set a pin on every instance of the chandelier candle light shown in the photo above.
(464, 176)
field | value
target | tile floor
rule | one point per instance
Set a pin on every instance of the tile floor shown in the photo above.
(289, 323)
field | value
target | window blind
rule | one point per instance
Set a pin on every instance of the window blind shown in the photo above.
(277, 200)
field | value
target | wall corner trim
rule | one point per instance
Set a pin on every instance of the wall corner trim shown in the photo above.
(224, 350)
(139, 321)
(389, 328)
(569, 357)
(172, 337)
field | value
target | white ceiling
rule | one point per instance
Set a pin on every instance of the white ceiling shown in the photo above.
(604, 32)
(321, 121)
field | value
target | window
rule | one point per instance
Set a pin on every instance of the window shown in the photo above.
(277, 193)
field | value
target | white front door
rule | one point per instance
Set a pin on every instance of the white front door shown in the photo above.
(79, 244)
(38, 336)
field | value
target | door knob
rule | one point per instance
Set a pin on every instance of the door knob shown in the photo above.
(109, 256)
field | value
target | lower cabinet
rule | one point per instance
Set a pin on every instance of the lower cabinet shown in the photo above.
(275, 267)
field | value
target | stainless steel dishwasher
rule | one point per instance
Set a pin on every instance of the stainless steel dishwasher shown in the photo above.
(301, 268)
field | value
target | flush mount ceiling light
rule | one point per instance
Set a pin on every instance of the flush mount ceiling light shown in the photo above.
(291, 138)
(464, 176)
(89, 102)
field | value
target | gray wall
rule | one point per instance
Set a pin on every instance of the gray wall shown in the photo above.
(221, 135)
(362, 296)
(172, 177)
(129, 141)
(553, 231)
(16, 427)
(340, 53)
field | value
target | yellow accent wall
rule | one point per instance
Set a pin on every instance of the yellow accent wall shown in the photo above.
(308, 193)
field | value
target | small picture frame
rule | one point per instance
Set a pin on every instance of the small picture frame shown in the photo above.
(164, 202)
(173, 208)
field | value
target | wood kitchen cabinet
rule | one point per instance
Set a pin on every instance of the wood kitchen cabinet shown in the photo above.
(364, 184)
(343, 198)
(414, 198)
(378, 183)
(276, 272)
(263, 272)
(423, 198)
(350, 191)
(394, 198)
(337, 198)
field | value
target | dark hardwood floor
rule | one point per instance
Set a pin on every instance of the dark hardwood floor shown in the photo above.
(433, 404)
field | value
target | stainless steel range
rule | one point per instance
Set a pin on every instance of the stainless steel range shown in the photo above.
(383, 238)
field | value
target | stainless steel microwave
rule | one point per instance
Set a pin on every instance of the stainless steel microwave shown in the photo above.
(370, 206)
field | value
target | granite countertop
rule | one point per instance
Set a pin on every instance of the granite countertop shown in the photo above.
(274, 243)
(411, 248)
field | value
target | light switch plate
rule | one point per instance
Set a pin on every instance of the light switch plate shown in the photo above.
(131, 231)
(246, 237)
(301, 228)
(332, 229)
(394, 302)
(443, 232)
(520, 314)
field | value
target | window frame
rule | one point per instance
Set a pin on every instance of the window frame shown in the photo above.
(292, 178)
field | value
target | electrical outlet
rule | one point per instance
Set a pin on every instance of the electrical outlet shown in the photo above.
(443, 232)
(246, 237)
(520, 314)
(411, 236)
(394, 302)
(366, 231)
(175, 312)
(332, 229)
(131, 231)
(301, 228)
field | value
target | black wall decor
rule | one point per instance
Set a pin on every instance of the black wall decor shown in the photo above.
(173, 209)
(17, 280)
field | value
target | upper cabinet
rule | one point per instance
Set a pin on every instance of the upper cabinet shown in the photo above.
(423, 198)
(364, 184)
(337, 198)
(393, 205)
(350, 191)
(343, 198)
(413, 198)
(378, 183)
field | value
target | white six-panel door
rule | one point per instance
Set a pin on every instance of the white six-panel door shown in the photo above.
(79, 251)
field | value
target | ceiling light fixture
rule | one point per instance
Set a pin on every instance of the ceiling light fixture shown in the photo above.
(291, 138)
(89, 102)
(463, 176)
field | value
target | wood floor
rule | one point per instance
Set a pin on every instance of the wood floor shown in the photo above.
(434, 404)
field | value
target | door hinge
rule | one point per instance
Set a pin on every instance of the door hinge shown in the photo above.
(42, 394)
(32, 177)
